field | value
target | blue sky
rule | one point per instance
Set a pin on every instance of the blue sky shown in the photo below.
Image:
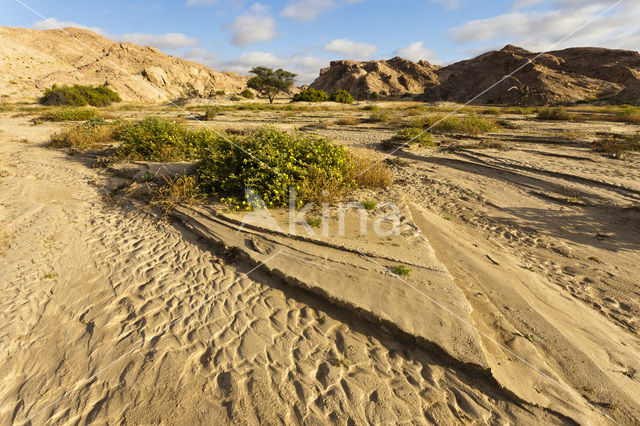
(304, 35)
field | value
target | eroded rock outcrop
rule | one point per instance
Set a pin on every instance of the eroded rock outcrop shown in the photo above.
(393, 77)
(564, 76)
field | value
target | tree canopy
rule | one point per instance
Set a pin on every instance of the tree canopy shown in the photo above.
(268, 83)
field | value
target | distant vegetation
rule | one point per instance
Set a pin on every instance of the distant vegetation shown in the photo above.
(78, 95)
(268, 83)
(71, 114)
(311, 95)
(468, 124)
(248, 94)
(342, 96)
(556, 113)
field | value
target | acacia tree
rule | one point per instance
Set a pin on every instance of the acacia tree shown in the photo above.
(268, 83)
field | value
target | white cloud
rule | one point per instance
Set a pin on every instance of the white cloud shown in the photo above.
(202, 56)
(415, 52)
(161, 41)
(541, 30)
(55, 24)
(307, 10)
(350, 48)
(254, 26)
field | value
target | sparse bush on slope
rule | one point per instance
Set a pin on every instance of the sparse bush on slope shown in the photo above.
(79, 95)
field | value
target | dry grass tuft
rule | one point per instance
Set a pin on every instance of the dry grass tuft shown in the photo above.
(183, 190)
(88, 135)
(348, 121)
(369, 172)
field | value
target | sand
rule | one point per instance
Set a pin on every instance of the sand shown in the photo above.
(84, 281)
(535, 241)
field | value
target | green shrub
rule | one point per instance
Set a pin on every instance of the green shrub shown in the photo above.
(628, 114)
(235, 98)
(342, 96)
(556, 113)
(468, 124)
(159, 139)
(491, 111)
(379, 116)
(248, 94)
(519, 110)
(79, 95)
(310, 164)
(410, 135)
(311, 95)
(71, 114)
(401, 270)
(220, 93)
(374, 96)
(370, 108)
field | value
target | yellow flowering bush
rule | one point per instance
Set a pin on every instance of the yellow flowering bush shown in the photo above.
(270, 162)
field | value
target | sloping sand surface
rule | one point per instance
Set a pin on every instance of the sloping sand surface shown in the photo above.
(89, 294)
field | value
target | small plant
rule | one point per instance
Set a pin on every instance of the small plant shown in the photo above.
(235, 98)
(247, 94)
(314, 222)
(594, 259)
(556, 113)
(401, 270)
(506, 124)
(183, 190)
(311, 95)
(491, 111)
(348, 121)
(527, 336)
(371, 108)
(342, 96)
(50, 276)
(220, 93)
(519, 110)
(379, 116)
(369, 205)
(628, 114)
(322, 320)
(529, 268)
(410, 135)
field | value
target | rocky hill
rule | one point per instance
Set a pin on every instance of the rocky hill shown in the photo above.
(557, 77)
(563, 76)
(32, 60)
(393, 77)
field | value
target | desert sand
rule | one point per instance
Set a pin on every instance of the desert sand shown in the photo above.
(522, 305)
